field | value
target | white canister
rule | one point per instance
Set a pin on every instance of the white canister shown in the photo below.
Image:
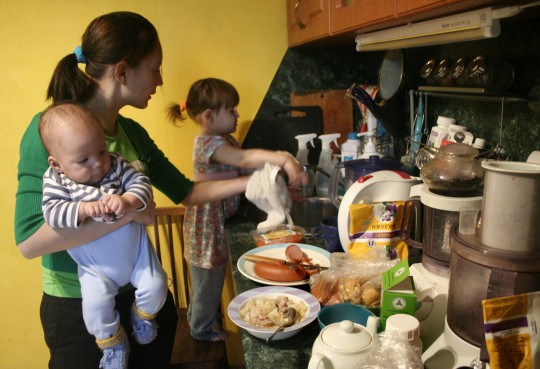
(511, 206)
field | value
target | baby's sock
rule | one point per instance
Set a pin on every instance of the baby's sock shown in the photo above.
(115, 351)
(144, 325)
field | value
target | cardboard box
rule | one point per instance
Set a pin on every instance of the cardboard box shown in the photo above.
(398, 292)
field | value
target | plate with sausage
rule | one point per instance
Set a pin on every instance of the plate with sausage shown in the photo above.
(286, 265)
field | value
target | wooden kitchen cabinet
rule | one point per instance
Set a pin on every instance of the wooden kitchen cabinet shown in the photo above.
(420, 9)
(307, 20)
(347, 15)
(339, 21)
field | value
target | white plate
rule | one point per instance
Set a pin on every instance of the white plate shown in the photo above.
(384, 185)
(274, 291)
(316, 254)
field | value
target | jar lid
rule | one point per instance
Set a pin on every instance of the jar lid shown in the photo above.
(346, 336)
(458, 69)
(459, 150)
(457, 127)
(427, 68)
(405, 326)
(445, 121)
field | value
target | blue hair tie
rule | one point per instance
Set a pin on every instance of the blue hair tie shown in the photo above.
(80, 55)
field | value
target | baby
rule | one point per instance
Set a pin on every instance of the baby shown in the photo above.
(85, 181)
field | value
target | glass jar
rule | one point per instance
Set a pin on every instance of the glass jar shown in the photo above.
(455, 171)
(427, 71)
(458, 72)
(442, 72)
(495, 75)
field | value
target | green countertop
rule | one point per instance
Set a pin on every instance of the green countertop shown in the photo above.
(290, 353)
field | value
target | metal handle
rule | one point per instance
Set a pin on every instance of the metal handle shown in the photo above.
(297, 15)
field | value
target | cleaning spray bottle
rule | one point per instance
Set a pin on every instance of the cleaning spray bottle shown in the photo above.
(370, 137)
(325, 162)
(302, 157)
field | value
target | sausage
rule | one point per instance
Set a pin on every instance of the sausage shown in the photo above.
(279, 272)
(294, 253)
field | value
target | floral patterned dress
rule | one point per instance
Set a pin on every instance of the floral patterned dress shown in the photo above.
(204, 225)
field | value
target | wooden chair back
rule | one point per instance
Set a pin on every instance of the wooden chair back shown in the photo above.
(168, 238)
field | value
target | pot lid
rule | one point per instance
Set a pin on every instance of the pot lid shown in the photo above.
(346, 336)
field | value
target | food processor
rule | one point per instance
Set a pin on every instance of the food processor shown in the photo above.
(479, 271)
(440, 214)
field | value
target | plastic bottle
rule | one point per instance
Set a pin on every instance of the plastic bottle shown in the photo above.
(325, 162)
(350, 149)
(450, 136)
(407, 328)
(303, 151)
(302, 157)
(370, 137)
(439, 132)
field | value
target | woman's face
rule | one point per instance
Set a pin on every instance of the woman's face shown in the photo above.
(143, 80)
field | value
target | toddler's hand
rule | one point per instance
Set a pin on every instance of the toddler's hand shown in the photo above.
(297, 176)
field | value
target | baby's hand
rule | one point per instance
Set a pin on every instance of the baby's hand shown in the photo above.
(115, 204)
(92, 209)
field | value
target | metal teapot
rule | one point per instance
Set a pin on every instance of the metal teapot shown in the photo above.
(344, 344)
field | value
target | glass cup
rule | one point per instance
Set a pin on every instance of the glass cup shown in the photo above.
(468, 220)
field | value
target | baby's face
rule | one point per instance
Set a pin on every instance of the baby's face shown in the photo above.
(83, 157)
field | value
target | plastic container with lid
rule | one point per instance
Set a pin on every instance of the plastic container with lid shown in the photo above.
(450, 137)
(455, 171)
(407, 328)
(439, 132)
(350, 149)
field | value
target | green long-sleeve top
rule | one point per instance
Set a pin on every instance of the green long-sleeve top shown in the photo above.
(133, 142)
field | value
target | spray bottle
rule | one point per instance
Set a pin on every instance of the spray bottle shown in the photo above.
(325, 162)
(302, 157)
(370, 137)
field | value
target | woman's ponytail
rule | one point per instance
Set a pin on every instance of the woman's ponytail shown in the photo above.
(68, 82)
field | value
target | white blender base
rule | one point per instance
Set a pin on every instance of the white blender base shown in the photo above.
(449, 351)
(443, 349)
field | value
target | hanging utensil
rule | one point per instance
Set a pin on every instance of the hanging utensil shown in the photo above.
(418, 126)
(391, 114)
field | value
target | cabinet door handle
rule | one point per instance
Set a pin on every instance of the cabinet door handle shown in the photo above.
(297, 15)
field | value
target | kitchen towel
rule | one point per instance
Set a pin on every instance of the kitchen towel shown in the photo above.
(268, 191)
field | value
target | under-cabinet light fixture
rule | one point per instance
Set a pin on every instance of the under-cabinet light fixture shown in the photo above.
(473, 25)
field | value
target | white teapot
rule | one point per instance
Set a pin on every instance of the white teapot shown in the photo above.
(342, 345)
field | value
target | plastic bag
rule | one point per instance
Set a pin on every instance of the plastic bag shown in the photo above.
(391, 352)
(354, 280)
(377, 225)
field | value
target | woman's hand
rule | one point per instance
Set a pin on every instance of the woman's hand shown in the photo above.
(145, 216)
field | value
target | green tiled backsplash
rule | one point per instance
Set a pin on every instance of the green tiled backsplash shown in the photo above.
(320, 68)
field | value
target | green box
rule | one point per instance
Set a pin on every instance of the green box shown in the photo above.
(398, 292)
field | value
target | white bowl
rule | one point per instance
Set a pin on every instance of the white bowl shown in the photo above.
(294, 294)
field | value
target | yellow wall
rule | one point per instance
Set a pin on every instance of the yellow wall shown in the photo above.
(241, 41)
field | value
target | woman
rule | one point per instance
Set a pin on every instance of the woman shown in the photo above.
(122, 56)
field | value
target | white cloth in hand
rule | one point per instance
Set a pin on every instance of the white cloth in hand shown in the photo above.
(268, 191)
